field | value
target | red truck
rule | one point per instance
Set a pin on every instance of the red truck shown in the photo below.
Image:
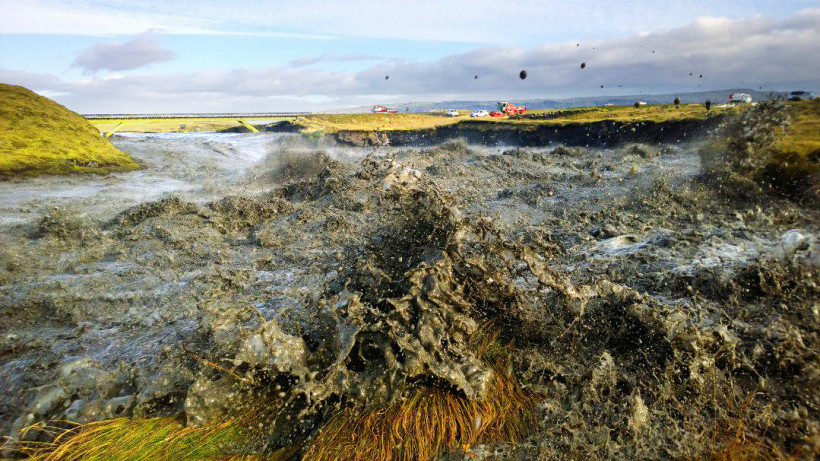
(511, 109)
(384, 110)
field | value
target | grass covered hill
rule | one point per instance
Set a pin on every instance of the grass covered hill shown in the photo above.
(39, 136)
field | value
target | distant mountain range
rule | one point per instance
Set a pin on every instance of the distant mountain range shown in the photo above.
(716, 96)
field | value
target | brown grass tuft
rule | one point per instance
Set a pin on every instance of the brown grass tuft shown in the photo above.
(432, 420)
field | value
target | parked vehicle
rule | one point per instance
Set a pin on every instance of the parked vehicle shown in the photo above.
(480, 113)
(384, 110)
(799, 94)
(740, 98)
(496, 113)
(452, 113)
(510, 108)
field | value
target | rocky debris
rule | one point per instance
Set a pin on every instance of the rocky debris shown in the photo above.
(641, 150)
(628, 301)
(61, 225)
(570, 151)
(405, 313)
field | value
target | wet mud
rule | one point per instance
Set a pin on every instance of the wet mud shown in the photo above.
(653, 315)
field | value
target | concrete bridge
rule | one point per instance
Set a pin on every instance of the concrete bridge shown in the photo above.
(237, 115)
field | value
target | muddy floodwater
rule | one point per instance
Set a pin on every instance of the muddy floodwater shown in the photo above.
(648, 311)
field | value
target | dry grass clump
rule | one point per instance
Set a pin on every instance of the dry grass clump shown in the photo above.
(40, 136)
(125, 438)
(429, 422)
(432, 420)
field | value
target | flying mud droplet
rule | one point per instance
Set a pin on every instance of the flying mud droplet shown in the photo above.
(583, 65)
(387, 77)
(475, 78)
(522, 74)
(577, 44)
(690, 74)
(602, 86)
(701, 75)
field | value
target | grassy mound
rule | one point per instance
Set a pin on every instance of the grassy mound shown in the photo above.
(40, 136)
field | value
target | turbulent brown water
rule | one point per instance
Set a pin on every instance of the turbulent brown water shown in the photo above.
(654, 315)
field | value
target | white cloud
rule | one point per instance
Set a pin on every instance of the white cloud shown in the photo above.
(309, 61)
(729, 54)
(140, 51)
(471, 21)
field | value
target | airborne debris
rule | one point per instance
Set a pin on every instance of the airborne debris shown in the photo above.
(522, 75)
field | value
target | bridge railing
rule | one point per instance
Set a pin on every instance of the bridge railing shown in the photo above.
(193, 116)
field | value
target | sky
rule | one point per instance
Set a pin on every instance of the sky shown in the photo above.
(130, 56)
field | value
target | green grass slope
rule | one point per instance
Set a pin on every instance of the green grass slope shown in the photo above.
(39, 136)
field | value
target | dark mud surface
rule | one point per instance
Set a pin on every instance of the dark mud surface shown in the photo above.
(654, 316)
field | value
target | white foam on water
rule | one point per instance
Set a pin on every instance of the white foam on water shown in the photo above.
(195, 166)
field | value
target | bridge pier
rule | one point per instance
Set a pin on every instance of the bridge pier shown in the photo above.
(248, 126)
(114, 130)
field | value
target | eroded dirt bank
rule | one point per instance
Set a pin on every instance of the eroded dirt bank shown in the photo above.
(593, 134)
(653, 317)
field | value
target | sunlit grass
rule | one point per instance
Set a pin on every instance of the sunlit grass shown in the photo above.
(794, 157)
(803, 136)
(387, 122)
(175, 125)
(330, 123)
(648, 113)
(125, 438)
(39, 136)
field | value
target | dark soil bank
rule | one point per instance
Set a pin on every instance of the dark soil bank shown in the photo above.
(597, 134)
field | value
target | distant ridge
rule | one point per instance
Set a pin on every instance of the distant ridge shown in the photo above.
(716, 96)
